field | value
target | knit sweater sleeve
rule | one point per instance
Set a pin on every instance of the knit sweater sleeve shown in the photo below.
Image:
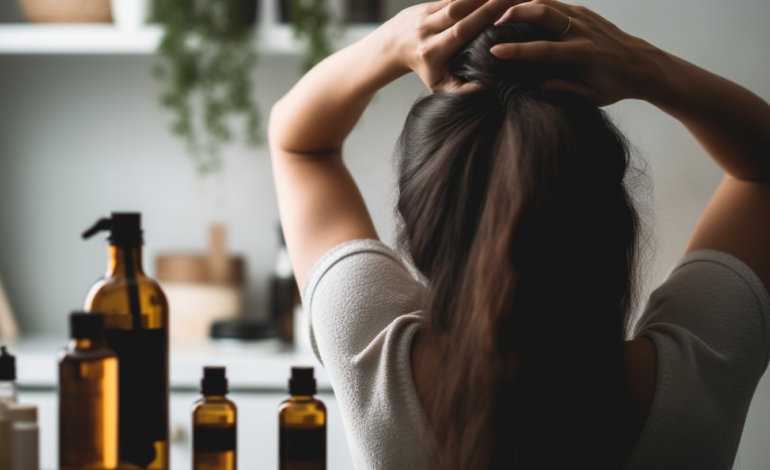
(710, 324)
(364, 309)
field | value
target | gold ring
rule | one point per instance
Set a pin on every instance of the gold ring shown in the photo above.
(568, 26)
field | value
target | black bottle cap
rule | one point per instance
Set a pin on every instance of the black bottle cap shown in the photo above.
(302, 381)
(214, 381)
(86, 325)
(7, 365)
(125, 229)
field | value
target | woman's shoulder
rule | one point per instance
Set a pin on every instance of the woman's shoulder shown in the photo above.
(716, 298)
(708, 324)
(365, 308)
(354, 293)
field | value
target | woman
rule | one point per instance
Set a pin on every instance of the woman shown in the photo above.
(515, 349)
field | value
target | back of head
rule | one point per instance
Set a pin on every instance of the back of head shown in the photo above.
(515, 210)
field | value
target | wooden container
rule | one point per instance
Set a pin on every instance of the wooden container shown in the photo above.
(201, 288)
(66, 11)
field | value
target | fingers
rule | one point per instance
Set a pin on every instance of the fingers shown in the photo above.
(541, 14)
(557, 84)
(467, 28)
(444, 14)
(567, 9)
(541, 51)
(433, 7)
(456, 10)
(459, 9)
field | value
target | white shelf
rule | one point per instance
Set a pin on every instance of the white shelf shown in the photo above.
(81, 39)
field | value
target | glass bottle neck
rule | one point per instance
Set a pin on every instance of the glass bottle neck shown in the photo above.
(81, 344)
(121, 258)
(301, 398)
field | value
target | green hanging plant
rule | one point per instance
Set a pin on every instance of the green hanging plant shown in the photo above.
(310, 20)
(209, 54)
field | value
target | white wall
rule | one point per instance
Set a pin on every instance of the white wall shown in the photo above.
(80, 136)
(83, 135)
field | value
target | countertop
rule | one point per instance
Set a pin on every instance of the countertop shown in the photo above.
(263, 366)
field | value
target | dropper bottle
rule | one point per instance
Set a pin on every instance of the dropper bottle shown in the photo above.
(214, 424)
(88, 397)
(8, 394)
(302, 425)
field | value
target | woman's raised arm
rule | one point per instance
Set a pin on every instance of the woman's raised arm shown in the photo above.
(729, 122)
(319, 203)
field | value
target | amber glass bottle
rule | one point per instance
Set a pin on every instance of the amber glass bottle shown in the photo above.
(214, 424)
(136, 327)
(302, 425)
(88, 398)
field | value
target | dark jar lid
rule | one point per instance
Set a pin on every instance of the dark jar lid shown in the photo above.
(243, 329)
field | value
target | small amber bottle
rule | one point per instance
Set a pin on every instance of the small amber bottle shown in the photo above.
(302, 425)
(88, 397)
(214, 424)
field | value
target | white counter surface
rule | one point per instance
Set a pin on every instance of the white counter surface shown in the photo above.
(258, 376)
(262, 367)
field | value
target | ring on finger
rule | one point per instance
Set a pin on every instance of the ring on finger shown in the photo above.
(569, 24)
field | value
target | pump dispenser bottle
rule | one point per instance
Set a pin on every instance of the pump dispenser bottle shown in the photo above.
(136, 328)
(8, 393)
(302, 425)
(214, 424)
(88, 397)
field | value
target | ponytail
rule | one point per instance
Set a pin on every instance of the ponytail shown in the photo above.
(514, 209)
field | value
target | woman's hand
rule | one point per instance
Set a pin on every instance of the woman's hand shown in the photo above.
(425, 37)
(612, 64)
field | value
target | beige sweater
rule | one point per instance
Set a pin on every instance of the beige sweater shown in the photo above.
(708, 320)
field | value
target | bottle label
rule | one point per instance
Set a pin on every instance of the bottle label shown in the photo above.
(213, 439)
(143, 385)
(88, 415)
(303, 443)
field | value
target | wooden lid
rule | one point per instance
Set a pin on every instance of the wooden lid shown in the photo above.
(181, 267)
(215, 267)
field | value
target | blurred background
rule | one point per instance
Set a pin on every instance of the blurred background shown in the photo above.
(83, 132)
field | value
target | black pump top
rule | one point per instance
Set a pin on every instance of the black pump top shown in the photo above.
(7, 365)
(125, 228)
(86, 325)
(302, 381)
(214, 381)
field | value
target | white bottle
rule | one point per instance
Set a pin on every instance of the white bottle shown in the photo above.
(5, 436)
(24, 437)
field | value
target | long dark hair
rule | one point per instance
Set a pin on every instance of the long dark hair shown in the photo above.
(515, 210)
